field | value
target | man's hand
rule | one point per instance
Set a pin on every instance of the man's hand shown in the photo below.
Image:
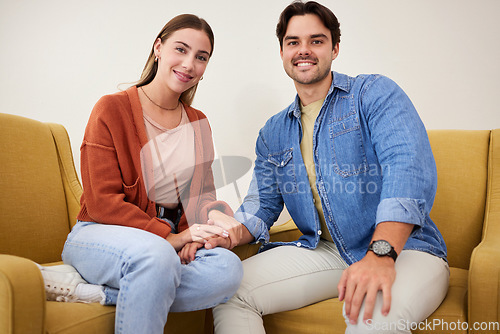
(196, 233)
(362, 281)
(238, 233)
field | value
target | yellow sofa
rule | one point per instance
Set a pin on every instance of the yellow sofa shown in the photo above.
(467, 211)
(39, 201)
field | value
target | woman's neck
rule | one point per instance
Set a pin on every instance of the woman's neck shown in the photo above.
(161, 96)
(167, 113)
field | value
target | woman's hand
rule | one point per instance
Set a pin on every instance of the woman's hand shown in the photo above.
(196, 233)
(188, 252)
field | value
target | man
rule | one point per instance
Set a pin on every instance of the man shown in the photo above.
(351, 160)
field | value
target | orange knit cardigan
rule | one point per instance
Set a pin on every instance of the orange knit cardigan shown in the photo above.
(113, 184)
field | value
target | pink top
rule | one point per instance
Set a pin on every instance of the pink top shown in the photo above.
(171, 153)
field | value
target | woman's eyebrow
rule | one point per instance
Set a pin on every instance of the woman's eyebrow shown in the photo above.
(189, 47)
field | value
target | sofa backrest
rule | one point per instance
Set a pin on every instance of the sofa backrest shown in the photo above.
(34, 216)
(462, 166)
(34, 219)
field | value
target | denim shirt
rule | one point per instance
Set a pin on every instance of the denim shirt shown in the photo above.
(373, 164)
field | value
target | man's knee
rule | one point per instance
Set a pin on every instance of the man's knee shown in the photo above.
(394, 323)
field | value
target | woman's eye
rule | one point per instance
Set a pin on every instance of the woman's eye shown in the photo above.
(202, 58)
(180, 50)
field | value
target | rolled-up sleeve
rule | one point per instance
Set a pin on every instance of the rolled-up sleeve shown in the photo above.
(263, 203)
(405, 210)
(409, 177)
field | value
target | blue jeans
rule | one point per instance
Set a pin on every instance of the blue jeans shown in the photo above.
(143, 276)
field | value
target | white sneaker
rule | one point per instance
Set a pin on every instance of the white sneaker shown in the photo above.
(61, 282)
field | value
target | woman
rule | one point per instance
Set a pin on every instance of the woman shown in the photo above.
(148, 194)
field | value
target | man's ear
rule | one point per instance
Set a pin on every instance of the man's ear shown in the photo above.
(335, 51)
(281, 52)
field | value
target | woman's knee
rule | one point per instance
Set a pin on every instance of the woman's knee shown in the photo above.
(157, 255)
(225, 268)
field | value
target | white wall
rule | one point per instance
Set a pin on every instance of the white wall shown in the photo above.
(59, 56)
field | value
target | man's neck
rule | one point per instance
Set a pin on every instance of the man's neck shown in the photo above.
(313, 92)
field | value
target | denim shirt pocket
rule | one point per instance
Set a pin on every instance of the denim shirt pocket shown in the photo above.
(349, 157)
(284, 170)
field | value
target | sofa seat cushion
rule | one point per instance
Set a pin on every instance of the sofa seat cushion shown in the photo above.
(77, 318)
(453, 310)
(326, 316)
(322, 317)
(69, 318)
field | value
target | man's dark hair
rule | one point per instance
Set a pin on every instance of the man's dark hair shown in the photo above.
(311, 7)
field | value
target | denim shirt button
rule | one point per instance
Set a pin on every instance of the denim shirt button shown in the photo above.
(320, 232)
(299, 244)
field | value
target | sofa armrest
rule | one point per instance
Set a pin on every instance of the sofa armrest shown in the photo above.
(72, 186)
(484, 283)
(22, 296)
(484, 269)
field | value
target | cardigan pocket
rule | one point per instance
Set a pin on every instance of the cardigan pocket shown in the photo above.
(133, 192)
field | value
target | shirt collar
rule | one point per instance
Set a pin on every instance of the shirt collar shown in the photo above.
(340, 81)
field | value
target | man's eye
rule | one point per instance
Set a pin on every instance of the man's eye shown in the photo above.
(293, 43)
(317, 42)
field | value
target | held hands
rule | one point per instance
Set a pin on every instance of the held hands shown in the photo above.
(220, 230)
(362, 281)
(235, 229)
(198, 233)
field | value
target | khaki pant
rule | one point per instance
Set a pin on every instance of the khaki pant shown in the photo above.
(289, 277)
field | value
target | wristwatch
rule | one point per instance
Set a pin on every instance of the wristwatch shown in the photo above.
(383, 248)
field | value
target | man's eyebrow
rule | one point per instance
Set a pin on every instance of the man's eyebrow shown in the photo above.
(312, 37)
(189, 47)
(319, 36)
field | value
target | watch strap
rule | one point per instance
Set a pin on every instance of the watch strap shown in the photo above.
(392, 253)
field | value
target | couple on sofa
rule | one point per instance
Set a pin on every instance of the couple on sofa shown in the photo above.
(349, 157)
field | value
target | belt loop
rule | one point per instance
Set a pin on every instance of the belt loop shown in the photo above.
(160, 211)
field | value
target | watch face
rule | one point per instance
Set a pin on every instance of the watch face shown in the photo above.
(381, 247)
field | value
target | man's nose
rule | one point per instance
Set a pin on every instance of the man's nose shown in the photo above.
(304, 51)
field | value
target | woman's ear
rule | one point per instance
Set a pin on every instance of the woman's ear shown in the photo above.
(157, 47)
